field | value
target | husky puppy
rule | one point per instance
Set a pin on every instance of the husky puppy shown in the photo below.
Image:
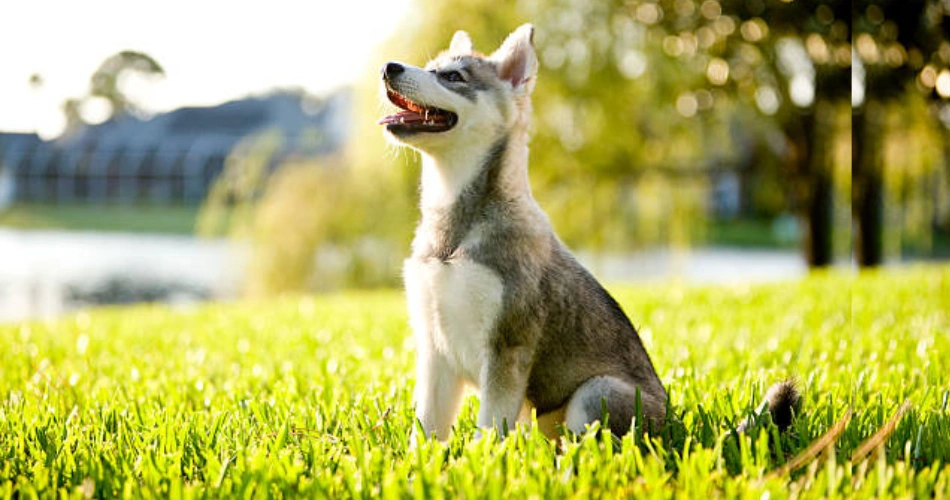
(495, 299)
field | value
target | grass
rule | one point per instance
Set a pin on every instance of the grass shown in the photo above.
(83, 217)
(739, 233)
(746, 233)
(311, 396)
(181, 220)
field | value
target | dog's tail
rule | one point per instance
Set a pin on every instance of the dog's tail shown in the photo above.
(783, 402)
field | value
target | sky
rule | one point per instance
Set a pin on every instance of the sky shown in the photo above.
(212, 51)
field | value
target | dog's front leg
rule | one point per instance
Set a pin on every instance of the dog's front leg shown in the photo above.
(503, 382)
(438, 392)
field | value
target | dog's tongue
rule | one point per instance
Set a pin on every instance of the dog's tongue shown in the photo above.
(401, 117)
(411, 117)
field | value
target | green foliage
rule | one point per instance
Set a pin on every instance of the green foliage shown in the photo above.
(321, 226)
(311, 224)
(106, 81)
(229, 206)
(901, 42)
(308, 396)
(903, 63)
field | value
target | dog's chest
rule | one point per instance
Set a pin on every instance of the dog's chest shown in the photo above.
(454, 305)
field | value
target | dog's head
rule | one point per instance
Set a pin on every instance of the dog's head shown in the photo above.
(461, 95)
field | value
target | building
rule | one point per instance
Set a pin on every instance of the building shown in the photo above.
(171, 158)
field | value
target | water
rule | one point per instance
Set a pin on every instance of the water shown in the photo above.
(709, 265)
(47, 273)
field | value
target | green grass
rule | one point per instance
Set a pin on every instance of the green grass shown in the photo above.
(181, 220)
(311, 396)
(745, 233)
(133, 218)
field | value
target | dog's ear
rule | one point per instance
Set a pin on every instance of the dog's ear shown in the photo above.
(461, 44)
(516, 61)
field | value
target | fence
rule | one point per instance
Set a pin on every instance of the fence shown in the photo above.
(64, 176)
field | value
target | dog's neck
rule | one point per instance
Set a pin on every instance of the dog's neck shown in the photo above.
(501, 166)
(459, 192)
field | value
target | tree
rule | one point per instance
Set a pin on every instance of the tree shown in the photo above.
(107, 83)
(789, 60)
(902, 46)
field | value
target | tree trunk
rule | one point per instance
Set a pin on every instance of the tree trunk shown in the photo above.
(820, 213)
(867, 185)
(815, 185)
(940, 220)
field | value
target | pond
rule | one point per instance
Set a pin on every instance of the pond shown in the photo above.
(47, 273)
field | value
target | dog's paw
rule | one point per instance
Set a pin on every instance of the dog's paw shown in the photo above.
(416, 438)
(489, 434)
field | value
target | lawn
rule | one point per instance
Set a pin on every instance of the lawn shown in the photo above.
(127, 218)
(746, 233)
(181, 220)
(311, 396)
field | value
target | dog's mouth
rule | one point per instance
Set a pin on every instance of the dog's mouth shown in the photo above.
(415, 117)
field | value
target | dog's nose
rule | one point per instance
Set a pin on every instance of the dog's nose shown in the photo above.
(392, 69)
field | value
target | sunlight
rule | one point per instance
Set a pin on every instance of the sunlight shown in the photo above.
(212, 51)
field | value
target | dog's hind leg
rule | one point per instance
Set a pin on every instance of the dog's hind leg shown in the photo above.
(622, 399)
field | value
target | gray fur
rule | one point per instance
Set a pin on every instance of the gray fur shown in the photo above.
(479, 76)
(555, 337)
(621, 399)
(479, 197)
(553, 308)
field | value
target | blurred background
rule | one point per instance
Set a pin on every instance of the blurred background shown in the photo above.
(186, 151)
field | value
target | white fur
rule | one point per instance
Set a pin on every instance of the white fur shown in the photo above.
(461, 43)
(500, 408)
(452, 308)
(576, 416)
(438, 389)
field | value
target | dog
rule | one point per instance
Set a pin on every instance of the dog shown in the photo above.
(495, 299)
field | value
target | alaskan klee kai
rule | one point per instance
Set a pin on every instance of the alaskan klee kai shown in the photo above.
(495, 299)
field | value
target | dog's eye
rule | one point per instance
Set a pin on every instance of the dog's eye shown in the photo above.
(452, 76)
